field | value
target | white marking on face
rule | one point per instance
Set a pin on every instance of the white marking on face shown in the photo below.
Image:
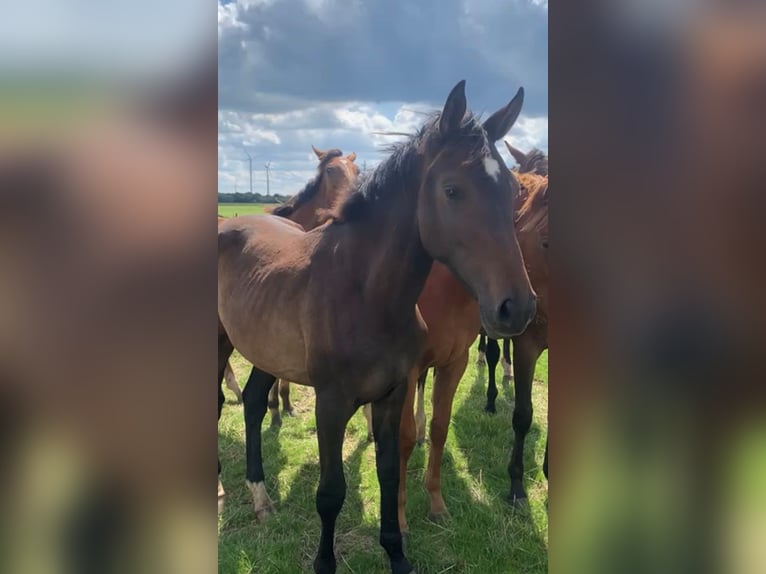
(491, 167)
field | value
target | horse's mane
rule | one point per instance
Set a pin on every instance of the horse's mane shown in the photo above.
(393, 173)
(533, 193)
(308, 192)
(536, 162)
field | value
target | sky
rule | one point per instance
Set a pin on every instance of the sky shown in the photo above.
(330, 73)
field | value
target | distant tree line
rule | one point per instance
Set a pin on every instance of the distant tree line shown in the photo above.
(251, 198)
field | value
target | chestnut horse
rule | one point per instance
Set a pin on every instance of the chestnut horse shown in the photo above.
(335, 308)
(452, 316)
(309, 207)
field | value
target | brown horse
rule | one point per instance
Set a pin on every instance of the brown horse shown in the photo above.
(534, 161)
(451, 314)
(309, 207)
(335, 308)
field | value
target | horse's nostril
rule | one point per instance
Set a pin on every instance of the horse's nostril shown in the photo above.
(505, 311)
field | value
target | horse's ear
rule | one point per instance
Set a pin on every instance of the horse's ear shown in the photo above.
(454, 109)
(518, 155)
(501, 122)
(319, 153)
(351, 156)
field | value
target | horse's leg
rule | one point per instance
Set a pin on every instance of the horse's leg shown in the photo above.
(231, 382)
(225, 349)
(276, 418)
(406, 445)
(507, 364)
(367, 410)
(493, 355)
(332, 415)
(481, 360)
(386, 420)
(525, 354)
(420, 414)
(445, 384)
(284, 393)
(256, 396)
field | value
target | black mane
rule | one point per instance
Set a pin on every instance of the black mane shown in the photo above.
(396, 172)
(308, 192)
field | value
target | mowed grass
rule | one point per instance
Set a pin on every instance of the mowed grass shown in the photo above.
(484, 534)
(234, 209)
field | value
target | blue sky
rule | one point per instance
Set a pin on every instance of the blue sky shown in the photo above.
(293, 73)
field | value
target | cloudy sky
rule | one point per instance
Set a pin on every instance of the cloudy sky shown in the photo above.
(293, 73)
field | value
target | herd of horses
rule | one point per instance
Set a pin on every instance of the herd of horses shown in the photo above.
(358, 285)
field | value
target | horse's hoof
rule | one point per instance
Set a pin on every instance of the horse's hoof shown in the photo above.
(370, 438)
(263, 513)
(276, 422)
(490, 409)
(324, 566)
(438, 517)
(518, 501)
(421, 442)
(401, 567)
(288, 412)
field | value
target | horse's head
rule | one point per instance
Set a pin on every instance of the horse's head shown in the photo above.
(334, 181)
(532, 232)
(466, 211)
(335, 172)
(534, 161)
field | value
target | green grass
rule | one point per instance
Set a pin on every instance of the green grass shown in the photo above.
(234, 209)
(483, 535)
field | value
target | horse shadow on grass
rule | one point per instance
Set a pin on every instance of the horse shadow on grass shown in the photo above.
(467, 541)
(353, 535)
(497, 430)
(238, 505)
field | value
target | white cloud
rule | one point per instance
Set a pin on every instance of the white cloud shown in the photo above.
(285, 139)
(297, 73)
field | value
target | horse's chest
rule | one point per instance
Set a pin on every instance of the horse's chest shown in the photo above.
(368, 365)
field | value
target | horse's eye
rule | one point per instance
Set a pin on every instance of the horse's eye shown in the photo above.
(544, 244)
(450, 192)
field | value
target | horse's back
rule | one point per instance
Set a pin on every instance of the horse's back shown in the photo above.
(256, 231)
(263, 269)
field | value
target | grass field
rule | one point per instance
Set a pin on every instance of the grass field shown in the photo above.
(234, 209)
(483, 535)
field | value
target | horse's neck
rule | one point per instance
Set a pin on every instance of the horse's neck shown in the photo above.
(308, 214)
(305, 216)
(388, 255)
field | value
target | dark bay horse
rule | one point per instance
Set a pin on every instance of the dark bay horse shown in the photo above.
(311, 206)
(451, 314)
(335, 308)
